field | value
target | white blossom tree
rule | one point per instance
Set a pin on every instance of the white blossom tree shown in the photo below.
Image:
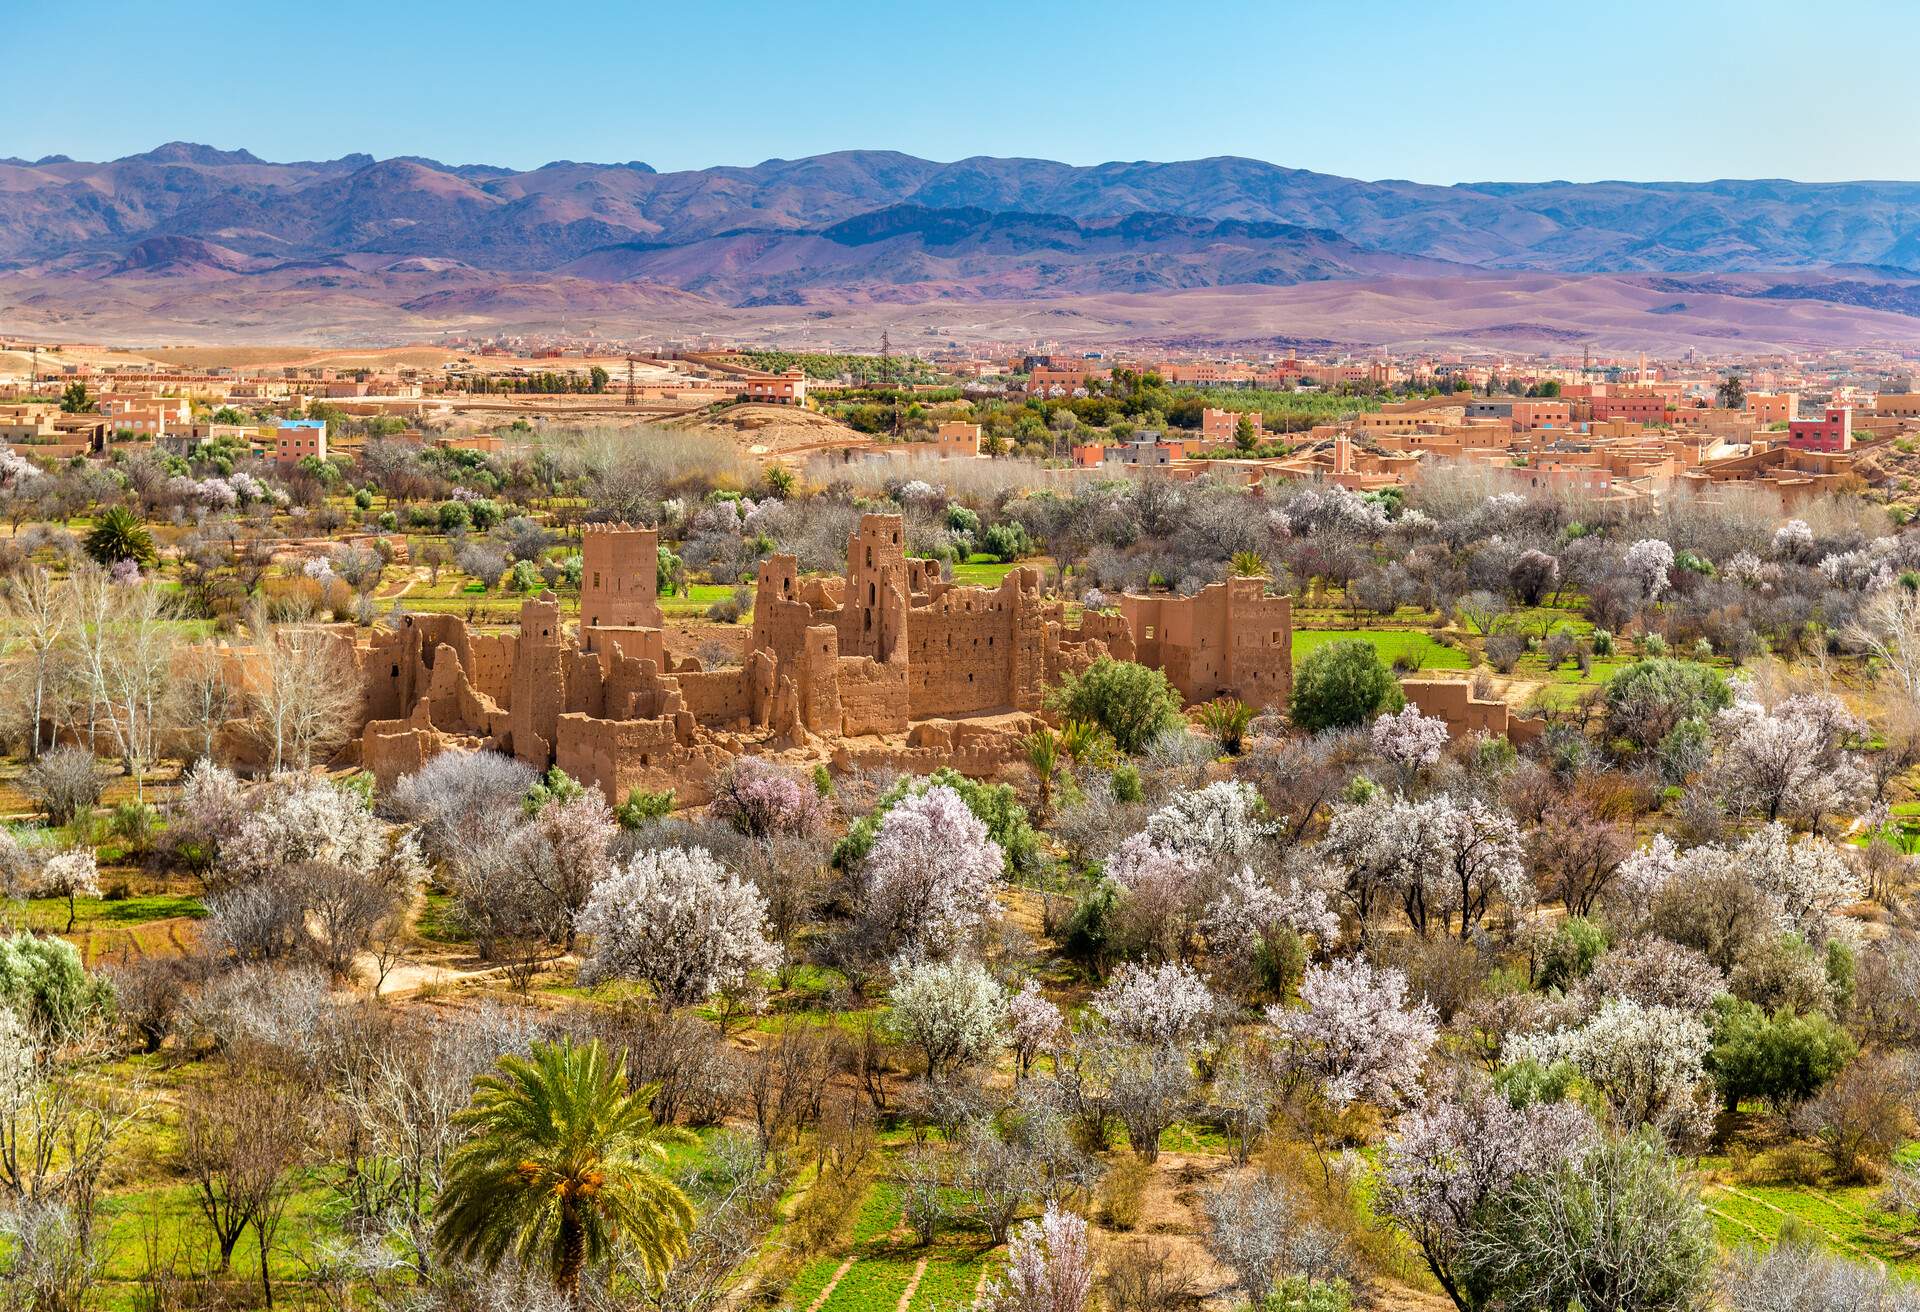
(677, 920)
(953, 1011)
(1641, 877)
(1789, 760)
(1250, 913)
(70, 874)
(1354, 1036)
(1167, 1004)
(1221, 827)
(1807, 882)
(931, 874)
(1888, 629)
(1409, 741)
(1647, 564)
(1049, 1267)
(1648, 1062)
(299, 818)
(1441, 856)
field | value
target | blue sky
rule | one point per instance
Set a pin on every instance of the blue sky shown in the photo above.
(1437, 92)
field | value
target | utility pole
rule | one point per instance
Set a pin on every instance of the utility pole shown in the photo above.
(630, 392)
(886, 374)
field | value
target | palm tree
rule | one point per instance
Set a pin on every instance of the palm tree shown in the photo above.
(119, 535)
(564, 1163)
(1248, 565)
(1043, 754)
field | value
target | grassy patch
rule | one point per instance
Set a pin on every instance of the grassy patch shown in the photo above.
(50, 913)
(440, 920)
(1415, 646)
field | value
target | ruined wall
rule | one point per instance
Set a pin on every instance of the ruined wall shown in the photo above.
(782, 612)
(873, 695)
(717, 697)
(618, 756)
(1452, 700)
(973, 649)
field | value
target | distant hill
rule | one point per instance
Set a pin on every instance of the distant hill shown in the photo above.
(879, 227)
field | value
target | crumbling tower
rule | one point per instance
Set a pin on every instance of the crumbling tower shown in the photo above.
(619, 579)
(876, 564)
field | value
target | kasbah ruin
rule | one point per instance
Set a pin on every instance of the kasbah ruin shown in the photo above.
(889, 666)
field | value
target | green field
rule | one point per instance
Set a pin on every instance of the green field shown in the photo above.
(1418, 646)
(1846, 1220)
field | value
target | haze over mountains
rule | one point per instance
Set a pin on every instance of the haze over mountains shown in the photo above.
(187, 240)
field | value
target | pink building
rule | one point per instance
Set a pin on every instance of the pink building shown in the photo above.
(296, 439)
(1224, 425)
(1773, 407)
(1832, 433)
(789, 388)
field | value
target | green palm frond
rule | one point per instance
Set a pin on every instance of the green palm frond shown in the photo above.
(564, 1164)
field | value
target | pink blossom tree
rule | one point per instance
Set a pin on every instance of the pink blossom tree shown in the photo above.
(931, 875)
(1354, 1036)
(1034, 1025)
(762, 800)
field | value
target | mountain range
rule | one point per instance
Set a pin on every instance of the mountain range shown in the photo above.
(330, 247)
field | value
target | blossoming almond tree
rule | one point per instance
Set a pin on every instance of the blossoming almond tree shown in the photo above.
(1449, 1156)
(1168, 1004)
(931, 875)
(1034, 1025)
(1049, 1267)
(677, 920)
(1409, 741)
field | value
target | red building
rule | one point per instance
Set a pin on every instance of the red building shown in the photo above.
(1832, 433)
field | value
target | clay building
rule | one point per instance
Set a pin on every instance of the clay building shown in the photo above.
(1230, 639)
(888, 664)
(619, 578)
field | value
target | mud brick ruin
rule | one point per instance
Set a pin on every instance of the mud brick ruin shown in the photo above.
(888, 665)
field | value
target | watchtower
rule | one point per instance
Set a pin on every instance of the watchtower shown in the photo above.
(619, 578)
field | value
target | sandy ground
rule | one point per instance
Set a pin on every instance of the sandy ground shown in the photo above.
(777, 432)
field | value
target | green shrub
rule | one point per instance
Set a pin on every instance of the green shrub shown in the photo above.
(1781, 1058)
(1133, 703)
(1648, 699)
(525, 577)
(1007, 542)
(1341, 685)
(43, 981)
(133, 824)
(642, 808)
(1571, 952)
(555, 786)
